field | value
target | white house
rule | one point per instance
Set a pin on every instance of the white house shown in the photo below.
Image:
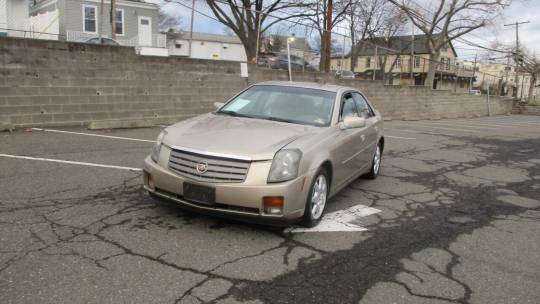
(13, 17)
(206, 46)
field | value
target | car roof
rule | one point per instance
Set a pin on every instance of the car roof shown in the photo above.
(308, 85)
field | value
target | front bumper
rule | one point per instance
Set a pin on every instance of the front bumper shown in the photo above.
(242, 200)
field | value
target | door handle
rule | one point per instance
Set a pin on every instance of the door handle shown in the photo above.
(363, 137)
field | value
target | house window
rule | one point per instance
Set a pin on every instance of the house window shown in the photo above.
(416, 61)
(398, 62)
(90, 18)
(178, 45)
(368, 62)
(119, 22)
(441, 64)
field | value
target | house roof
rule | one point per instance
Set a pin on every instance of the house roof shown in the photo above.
(204, 37)
(402, 45)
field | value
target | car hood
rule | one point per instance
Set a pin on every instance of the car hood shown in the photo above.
(246, 137)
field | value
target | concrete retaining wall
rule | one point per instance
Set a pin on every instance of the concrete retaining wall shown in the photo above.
(522, 108)
(53, 83)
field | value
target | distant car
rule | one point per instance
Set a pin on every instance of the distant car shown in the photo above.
(475, 92)
(103, 41)
(344, 74)
(279, 60)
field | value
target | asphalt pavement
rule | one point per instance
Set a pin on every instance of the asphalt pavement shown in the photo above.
(453, 218)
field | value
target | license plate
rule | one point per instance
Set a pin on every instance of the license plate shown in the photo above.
(199, 194)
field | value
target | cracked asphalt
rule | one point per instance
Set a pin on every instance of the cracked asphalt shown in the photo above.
(459, 223)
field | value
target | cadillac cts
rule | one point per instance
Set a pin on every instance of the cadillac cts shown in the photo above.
(275, 153)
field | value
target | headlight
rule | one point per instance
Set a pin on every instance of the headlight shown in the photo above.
(157, 146)
(285, 166)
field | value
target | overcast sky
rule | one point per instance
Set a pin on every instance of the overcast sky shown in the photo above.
(520, 10)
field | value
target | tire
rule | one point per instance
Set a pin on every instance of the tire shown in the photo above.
(320, 184)
(376, 163)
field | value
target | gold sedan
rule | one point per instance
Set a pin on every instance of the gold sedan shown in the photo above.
(274, 154)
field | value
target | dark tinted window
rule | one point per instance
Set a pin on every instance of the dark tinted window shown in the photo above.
(362, 105)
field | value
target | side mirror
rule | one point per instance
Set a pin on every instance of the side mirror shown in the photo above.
(218, 105)
(352, 122)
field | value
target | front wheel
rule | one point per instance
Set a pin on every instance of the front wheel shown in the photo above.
(376, 163)
(318, 194)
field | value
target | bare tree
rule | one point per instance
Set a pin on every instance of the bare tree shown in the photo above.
(450, 20)
(169, 22)
(368, 19)
(334, 46)
(530, 64)
(325, 15)
(250, 19)
(274, 43)
(376, 18)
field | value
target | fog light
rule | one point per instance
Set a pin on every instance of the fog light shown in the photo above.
(273, 204)
(150, 180)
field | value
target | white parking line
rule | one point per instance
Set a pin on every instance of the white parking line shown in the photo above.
(399, 137)
(70, 162)
(91, 134)
(481, 124)
(341, 220)
(421, 132)
(440, 128)
(472, 126)
(516, 123)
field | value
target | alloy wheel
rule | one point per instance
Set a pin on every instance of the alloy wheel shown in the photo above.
(318, 197)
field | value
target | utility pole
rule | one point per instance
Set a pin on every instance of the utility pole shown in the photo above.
(516, 24)
(343, 53)
(113, 19)
(328, 35)
(100, 19)
(191, 27)
(412, 55)
(376, 65)
(473, 72)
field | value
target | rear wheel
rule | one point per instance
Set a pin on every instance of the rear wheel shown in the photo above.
(316, 202)
(376, 163)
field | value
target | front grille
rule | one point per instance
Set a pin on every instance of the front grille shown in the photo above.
(219, 169)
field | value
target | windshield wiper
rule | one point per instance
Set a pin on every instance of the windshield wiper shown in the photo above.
(233, 113)
(281, 119)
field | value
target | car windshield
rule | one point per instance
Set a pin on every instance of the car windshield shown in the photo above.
(283, 103)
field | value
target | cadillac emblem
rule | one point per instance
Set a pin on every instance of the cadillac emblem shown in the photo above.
(202, 167)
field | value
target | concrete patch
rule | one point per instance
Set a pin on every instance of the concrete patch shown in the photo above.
(520, 201)
(499, 174)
